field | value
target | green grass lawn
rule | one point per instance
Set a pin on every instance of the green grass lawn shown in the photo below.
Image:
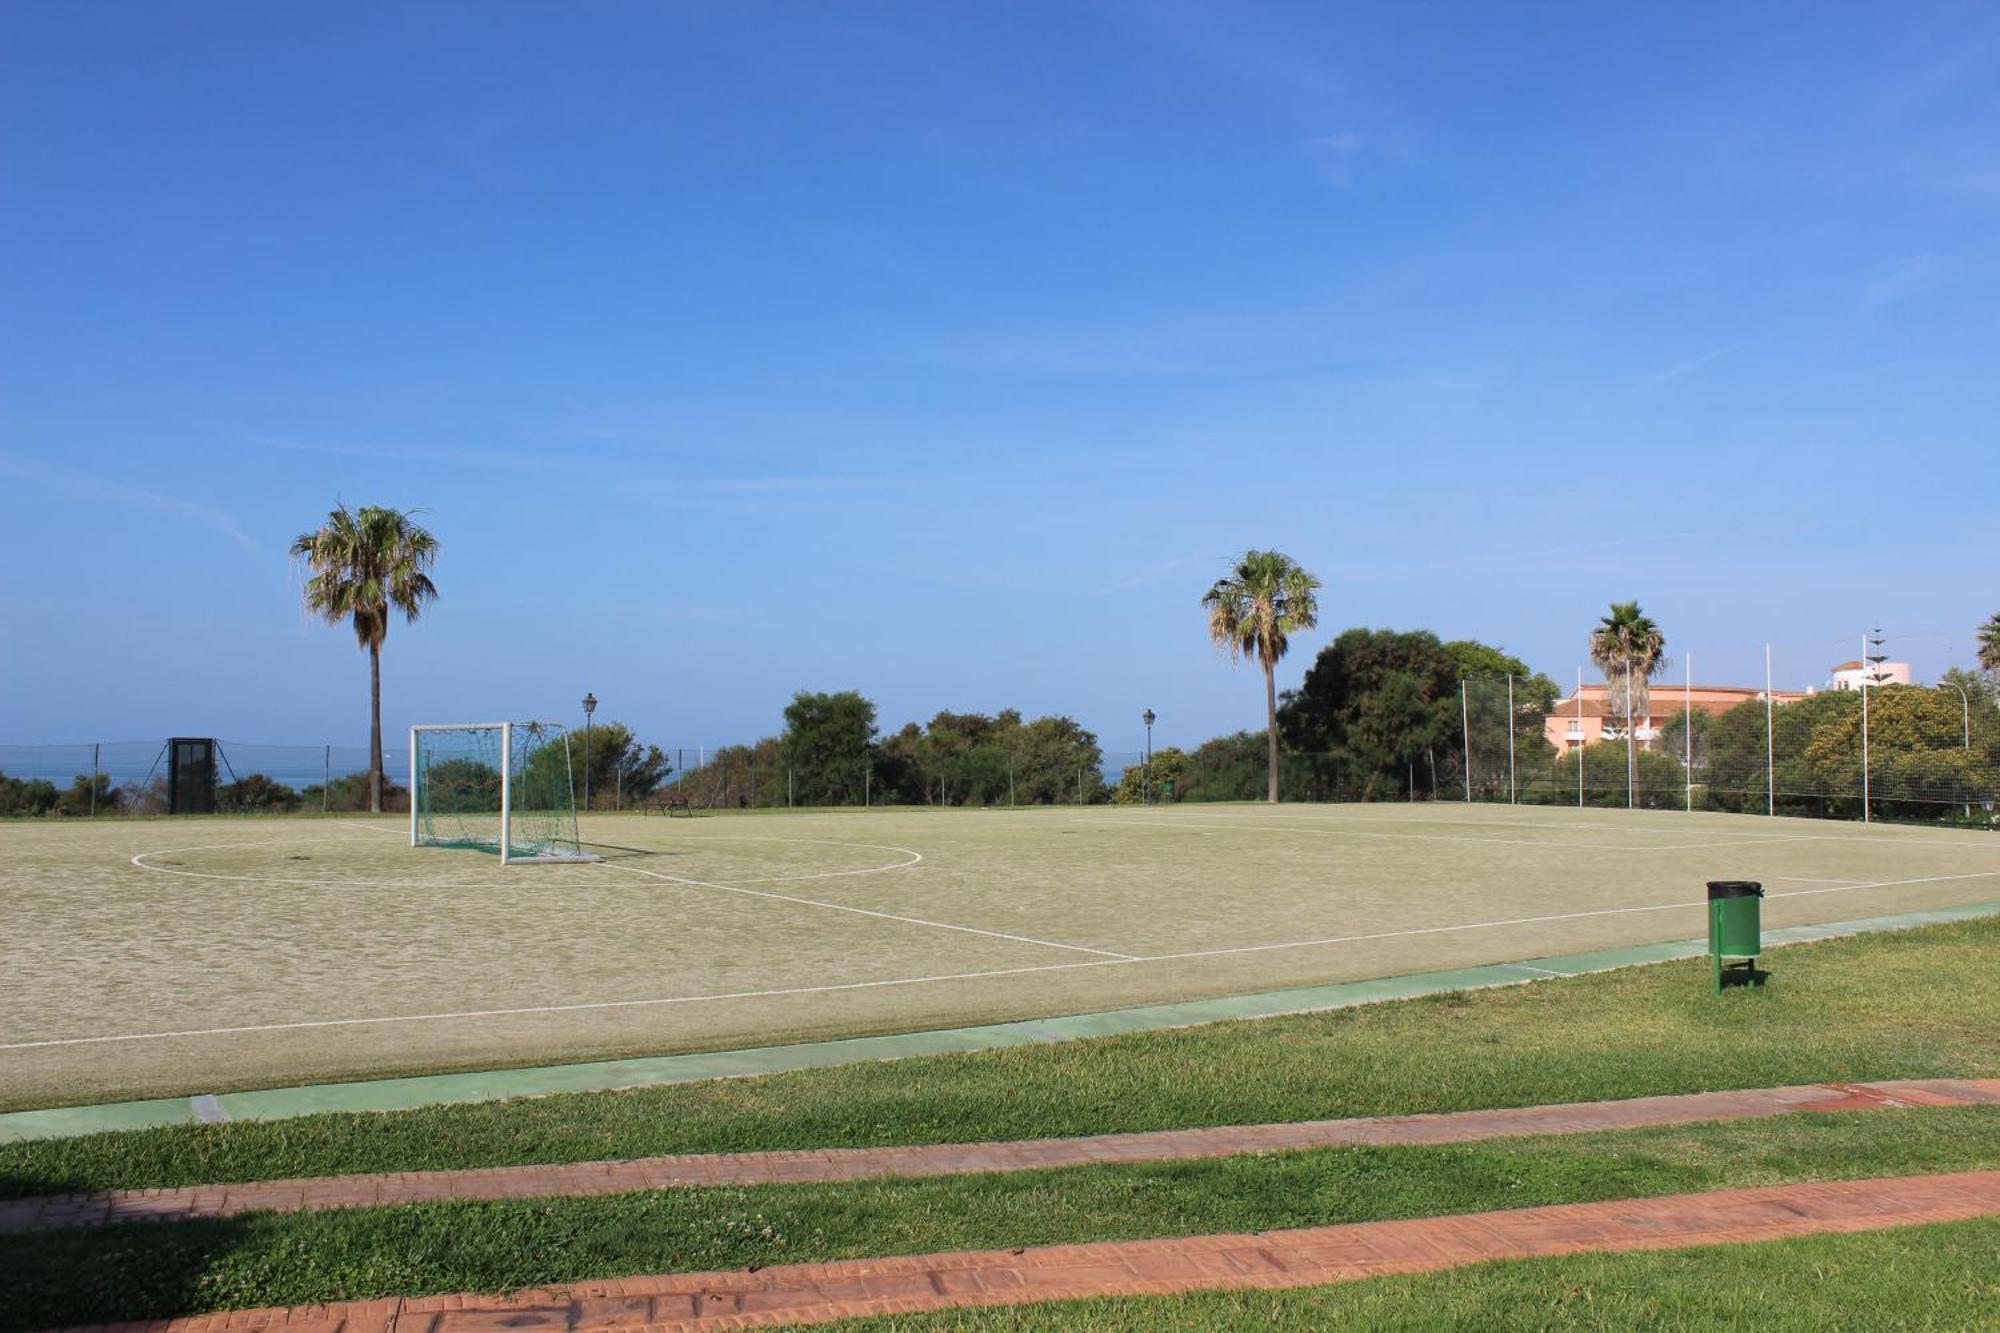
(150, 1270)
(1920, 1003)
(1945, 1276)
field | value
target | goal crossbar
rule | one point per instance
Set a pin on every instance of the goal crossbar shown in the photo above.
(505, 787)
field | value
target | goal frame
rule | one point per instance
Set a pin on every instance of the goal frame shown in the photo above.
(506, 730)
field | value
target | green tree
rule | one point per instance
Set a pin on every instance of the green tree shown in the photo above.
(1376, 706)
(621, 769)
(1627, 646)
(1989, 646)
(254, 793)
(26, 796)
(364, 565)
(828, 745)
(1054, 761)
(1166, 775)
(1656, 781)
(1252, 612)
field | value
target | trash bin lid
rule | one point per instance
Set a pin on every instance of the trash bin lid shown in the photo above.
(1734, 888)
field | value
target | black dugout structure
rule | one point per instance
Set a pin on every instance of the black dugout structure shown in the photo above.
(191, 775)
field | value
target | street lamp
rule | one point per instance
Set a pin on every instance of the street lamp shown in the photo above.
(589, 707)
(1147, 770)
(1965, 702)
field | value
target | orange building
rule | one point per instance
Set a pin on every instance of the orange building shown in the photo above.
(1588, 717)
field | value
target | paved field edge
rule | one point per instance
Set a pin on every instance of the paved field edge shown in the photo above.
(817, 1293)
(402, 1094)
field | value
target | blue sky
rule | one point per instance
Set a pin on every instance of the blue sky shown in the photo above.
(945, 351)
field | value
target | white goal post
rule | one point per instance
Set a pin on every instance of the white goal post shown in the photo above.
(503, 787)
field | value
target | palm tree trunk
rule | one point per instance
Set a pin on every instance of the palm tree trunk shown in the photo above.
(1271, 722)
(375, 728)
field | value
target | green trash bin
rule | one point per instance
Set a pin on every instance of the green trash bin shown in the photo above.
(1735, 931)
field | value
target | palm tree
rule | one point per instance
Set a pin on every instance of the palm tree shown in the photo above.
(1252, 612)
(365, 564)
(1989, 645)
(1627, 645)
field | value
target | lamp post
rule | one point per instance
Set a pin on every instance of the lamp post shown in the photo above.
(1147, 770)
(589, 707)
(1965, 703)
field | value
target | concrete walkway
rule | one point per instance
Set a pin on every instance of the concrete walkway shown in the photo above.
(838, 1164)
(817, 1293)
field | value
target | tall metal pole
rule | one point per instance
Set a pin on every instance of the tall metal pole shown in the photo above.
(1465, 737)
(1864, 728)
(1631, 750)
(1687, 727)
(1512, 790)
(326, 779)
(1581, 747)
(1770, 742)
(95, 753)
(589, 707)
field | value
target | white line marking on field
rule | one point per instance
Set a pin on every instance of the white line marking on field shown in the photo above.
(143, 863)
(562, 1008)
(1196, 823)
(1109, 960)
(867, 911)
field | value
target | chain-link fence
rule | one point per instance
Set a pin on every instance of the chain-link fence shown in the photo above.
(1858, 750)
(1866, 746)
(95, 778)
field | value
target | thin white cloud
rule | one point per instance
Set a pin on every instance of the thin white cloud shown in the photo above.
(1145, 576)
(1902, 280)
(1688, 367)
(87, 487)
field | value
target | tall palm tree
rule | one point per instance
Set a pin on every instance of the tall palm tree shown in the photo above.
(365, 564)
(1989, 645)
(1627, 645)
(1252, 612)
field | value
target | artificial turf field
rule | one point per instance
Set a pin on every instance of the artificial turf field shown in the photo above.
(162, 957)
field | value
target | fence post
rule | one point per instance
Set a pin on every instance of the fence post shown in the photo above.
(1512, 791)
(326, 778)
(1687, 727)
(790, 788)
(96, 747)
(1581, 746)
(1465, 737)
(1770, 743)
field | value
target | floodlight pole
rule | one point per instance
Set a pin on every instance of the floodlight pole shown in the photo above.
(589, 707)
(1146, 769)
(1687, 727)
(1512, 796)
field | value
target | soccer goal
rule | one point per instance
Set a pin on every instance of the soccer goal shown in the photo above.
(501, 787)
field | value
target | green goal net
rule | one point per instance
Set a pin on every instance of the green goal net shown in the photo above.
(504, 787)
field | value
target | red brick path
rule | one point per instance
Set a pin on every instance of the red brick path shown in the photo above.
(814, 1293)
(834, 1164)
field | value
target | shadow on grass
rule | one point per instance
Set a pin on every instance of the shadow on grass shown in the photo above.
(110, 1274)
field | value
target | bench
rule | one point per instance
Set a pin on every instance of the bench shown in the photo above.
(668, 801)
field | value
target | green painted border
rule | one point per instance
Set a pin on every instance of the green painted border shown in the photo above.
(402, 1094)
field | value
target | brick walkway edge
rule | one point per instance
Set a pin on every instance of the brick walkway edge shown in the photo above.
(839, 1164)
(816, 1293)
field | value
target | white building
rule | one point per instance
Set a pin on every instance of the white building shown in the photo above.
(1853, 675)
